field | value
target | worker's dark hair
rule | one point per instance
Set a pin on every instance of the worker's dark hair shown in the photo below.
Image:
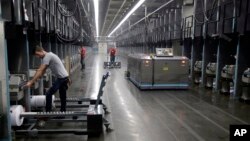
(37, 48)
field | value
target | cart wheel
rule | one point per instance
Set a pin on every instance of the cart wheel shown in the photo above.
(33, 132)
(41, 123)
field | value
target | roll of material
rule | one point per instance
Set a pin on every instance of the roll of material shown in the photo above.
(53, 101)
(39, 101)
(15, 112)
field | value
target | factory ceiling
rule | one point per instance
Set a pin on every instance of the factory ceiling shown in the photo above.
(111, 12)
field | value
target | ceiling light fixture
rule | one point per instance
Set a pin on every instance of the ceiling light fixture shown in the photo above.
(96, 7)
(127, 16)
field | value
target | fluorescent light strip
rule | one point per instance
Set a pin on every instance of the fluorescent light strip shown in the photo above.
(96, 6)
(127, 16)
(149, 14)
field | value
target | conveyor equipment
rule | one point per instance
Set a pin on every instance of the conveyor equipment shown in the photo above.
(94, 118)
(197, 72)
(246, 85)
(227, 75)
(16, 82)
(94, 121)
(211, 73)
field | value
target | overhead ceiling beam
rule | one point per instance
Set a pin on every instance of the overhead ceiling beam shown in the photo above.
(152, 4)
(159, 8)
(105, 17)
(116, 15)
(112, 9)
(116, 10)
(116, 2)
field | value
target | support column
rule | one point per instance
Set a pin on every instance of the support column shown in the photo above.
(145, 45)
(5, 125)
(218, 68)
(204, 52)
(192, 60)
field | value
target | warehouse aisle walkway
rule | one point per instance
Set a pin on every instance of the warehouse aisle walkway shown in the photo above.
(169, 115)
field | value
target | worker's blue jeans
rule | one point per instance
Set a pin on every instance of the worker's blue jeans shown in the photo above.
(62, 85)
(112, 58)
(82, 63)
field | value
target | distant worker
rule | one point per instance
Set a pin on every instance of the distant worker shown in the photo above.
(52, 61)
(82, 51)
(112, 53)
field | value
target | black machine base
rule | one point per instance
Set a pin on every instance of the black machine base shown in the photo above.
(112, 65)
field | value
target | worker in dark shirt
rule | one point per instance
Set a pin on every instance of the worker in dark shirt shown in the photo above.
(52, 61)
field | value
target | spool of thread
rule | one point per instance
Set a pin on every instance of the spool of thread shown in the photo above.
(39, 101)
(15, 112)
(53, 101)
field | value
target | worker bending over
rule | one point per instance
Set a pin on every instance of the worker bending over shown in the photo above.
(52, 61)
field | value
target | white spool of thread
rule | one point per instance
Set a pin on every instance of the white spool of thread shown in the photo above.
(39, 101)
(15, 112)
(53, 101)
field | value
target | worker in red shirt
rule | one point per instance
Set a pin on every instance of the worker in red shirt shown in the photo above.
(82, 52)
(112, 53)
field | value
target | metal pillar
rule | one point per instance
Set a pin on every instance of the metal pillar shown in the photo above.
(204, 54)
(5, 127)
(237, 74)
(218, 57)
(27, 92)
(218, 68)
(146, 32)
(192, 60)
(239, 58)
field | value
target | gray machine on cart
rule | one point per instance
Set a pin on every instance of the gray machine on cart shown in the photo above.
(163, 71)
(246, 85)
(112, 65)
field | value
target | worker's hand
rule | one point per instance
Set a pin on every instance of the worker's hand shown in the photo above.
(28, 84)
(69, 82)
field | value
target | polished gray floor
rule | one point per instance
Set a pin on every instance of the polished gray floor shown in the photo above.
(169, 115)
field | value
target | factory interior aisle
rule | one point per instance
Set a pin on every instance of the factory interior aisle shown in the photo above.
(153, 115)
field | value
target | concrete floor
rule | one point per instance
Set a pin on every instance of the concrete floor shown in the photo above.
(169, 115)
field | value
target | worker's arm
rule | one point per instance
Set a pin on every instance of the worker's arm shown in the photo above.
(40, 72)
